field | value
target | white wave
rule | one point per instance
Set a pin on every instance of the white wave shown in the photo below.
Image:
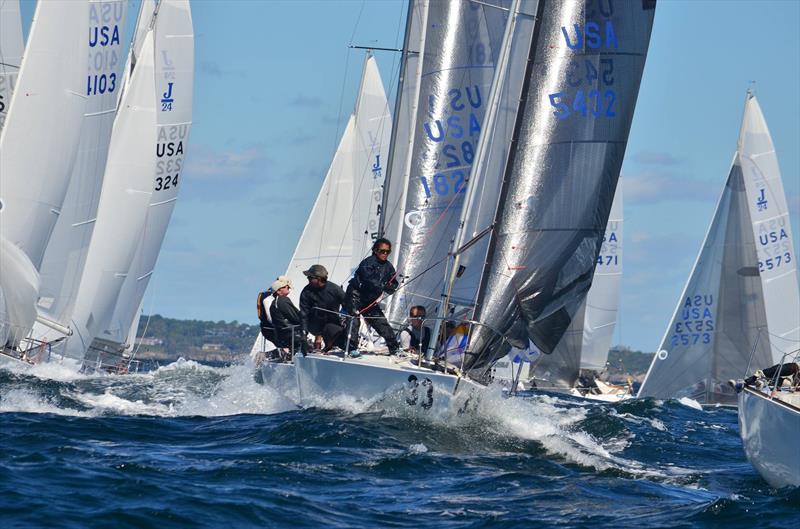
(26, 401)
(417, 448)
(108, 402)
(691, 403)
(237, 393)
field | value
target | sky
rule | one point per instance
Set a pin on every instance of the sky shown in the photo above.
(276, 81)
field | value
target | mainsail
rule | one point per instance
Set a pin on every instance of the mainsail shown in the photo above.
(724, 321)
(461, 44)
(584, 72)
(11, 48)
(174, 36)
(586, 342)
(127, 189)
(66, 252)
(39, 141)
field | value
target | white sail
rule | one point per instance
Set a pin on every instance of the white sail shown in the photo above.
(344, 220)
(770, 219)
(127, 189)
(731, 314)
(19, 286)
(174, 38)
(40, 137)
(11, 48)
(602, 302)
(66, 253)
(38, 145)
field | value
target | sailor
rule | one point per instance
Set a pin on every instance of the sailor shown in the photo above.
(374, 277)
(415, 336)
(455, 344)
(290, 332)
(320, 302)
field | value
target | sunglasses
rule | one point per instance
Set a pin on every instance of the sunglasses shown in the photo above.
(383, 251)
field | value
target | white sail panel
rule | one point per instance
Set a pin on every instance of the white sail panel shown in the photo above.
(66, 253)
(602, 302)
(777, 262)
(11, 48)
(127, 189)
(373, 128)
(174, 38)
(39, 140)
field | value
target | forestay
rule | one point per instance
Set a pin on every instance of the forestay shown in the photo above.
(174, 39)
(572, 128)
(66, 252)
(11, 48)
(461, 44)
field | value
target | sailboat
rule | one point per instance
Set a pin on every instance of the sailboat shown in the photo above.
(521, 251)
(740, 306)
(582, 354)
(143, 169)
(344, 219)
(46, 113)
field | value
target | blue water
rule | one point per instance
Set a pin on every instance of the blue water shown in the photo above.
(192, 446)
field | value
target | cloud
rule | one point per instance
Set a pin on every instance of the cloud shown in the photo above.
(655, 158)
(215, 70)
(654, 186)
(302, 101)
(207, 162)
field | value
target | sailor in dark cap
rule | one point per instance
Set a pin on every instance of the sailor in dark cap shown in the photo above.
(320, 302)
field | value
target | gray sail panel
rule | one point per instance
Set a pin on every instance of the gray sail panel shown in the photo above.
(572, 132)
(462, 41)
(720, 317)
(560, 369)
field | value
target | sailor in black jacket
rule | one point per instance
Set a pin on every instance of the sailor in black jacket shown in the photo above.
(320, 302)
(374, 276)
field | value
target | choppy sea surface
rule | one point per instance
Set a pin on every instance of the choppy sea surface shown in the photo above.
(194, 446)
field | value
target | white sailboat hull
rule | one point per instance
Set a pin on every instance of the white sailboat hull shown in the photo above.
(770, 431)
(367, 378)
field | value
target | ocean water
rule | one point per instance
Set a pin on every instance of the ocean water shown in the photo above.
(194, 446)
